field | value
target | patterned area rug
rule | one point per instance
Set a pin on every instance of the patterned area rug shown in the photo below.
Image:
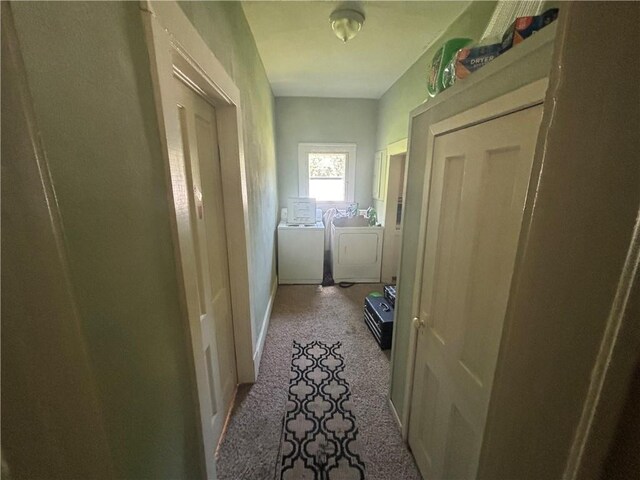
(319, 434)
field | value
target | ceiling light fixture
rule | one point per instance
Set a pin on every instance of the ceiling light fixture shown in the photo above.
(346, 23)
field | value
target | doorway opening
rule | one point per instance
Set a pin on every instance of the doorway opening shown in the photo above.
(394, 203)
(200, 121)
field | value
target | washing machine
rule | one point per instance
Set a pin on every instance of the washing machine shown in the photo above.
(300, 250)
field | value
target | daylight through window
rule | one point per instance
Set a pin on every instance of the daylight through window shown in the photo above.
(327, 174)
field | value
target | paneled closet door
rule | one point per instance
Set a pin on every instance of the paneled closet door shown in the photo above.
(479, 182)
(210, 274)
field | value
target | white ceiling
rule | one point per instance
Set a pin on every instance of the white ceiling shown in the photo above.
(303, 57)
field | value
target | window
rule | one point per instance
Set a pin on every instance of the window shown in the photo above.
(327, 171)
(327, 176)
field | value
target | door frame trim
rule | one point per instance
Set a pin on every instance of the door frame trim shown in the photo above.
(397, 148)
(176, 50)
(612, 373)
(519, 99)
(393, 150)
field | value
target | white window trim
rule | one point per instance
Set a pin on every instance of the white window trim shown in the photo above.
(304, 149)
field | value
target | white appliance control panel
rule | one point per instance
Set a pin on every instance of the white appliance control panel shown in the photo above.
(301, 211)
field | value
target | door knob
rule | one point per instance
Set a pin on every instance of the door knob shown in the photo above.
(418, 323)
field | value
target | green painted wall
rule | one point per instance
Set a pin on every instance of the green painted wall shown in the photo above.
(405, 94)
(88, 72)
(341, 120)
(410, 90)
(224, 28)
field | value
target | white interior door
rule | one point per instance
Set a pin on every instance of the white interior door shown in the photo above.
(202, 165)
(480, 176)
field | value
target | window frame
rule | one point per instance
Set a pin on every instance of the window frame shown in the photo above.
(304, 149)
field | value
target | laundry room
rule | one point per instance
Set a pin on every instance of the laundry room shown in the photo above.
(332, 186)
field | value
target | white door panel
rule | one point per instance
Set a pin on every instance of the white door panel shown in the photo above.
(208, 233)
(358, 248)
(215, 229)
(480, 176)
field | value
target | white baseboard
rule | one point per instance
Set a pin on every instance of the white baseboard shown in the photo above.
(257, 354)
(395, 413)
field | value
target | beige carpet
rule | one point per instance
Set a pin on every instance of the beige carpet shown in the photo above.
(250, 448)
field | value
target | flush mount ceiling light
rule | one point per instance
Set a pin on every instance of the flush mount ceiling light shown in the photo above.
(346, 23)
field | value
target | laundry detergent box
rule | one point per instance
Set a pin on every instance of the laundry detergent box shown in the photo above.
(442, 57)
(469, 59)
(524, 27)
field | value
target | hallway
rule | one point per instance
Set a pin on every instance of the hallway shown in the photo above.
(249, 449)
(163, 161)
